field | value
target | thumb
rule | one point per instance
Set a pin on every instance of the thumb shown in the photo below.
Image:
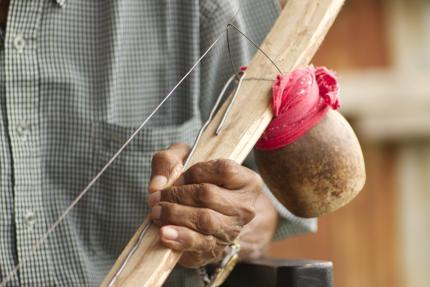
(167, 166)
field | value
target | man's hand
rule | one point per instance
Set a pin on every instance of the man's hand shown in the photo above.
(204, 209)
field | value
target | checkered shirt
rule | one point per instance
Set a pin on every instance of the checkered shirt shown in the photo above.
(76, 78)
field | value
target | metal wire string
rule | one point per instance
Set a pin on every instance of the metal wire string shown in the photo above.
(233, 66)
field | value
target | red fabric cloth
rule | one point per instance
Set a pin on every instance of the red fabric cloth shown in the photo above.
(300, 100)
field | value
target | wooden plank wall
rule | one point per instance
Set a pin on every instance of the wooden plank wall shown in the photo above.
(359, 38)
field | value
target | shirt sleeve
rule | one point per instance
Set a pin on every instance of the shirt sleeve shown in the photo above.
(255, 18)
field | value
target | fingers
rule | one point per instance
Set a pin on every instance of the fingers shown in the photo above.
(224, 173)
(199, 249)
(205, 195)
(203, 209)
(167, 166)
(202, 220)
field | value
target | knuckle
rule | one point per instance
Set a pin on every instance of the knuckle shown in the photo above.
(205, 194)
(231, 233)
(227, 167)
(211, 224)
(245, 214)
(195, 172)
(160, 156)
(206, 222)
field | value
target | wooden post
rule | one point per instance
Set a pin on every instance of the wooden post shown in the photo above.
(291, 43)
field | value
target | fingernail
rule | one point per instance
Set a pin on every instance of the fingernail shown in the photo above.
(154, 198)
(169, 233)
(158, 182)
(156, 212)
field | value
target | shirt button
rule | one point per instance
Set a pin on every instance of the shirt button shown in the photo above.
(22, 131)
(30, 219)
(19, 43)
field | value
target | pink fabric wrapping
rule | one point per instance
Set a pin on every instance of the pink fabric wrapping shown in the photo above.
(300, 100)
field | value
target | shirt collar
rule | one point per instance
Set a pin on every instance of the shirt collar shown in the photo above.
(62, 3)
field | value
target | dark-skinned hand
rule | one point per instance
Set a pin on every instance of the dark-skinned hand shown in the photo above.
(204, 209)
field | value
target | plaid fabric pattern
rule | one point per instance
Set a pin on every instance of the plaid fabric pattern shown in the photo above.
(76, 78)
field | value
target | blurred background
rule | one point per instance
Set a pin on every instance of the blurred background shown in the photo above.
(381, 51)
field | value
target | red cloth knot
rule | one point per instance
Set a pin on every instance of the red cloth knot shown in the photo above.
(300, 100)
(328, 86)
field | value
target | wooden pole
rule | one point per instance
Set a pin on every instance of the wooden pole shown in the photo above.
(292, 42)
